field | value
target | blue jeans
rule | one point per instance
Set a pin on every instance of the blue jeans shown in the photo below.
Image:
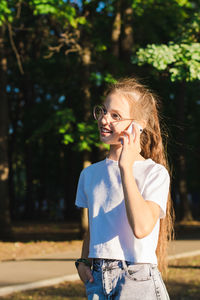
(116, 279)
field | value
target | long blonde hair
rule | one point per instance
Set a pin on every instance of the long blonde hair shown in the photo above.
(145, 105)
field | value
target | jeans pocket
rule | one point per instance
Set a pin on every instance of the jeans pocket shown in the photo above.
(139, 272)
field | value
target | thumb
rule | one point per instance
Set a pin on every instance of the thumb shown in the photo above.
(89, 275)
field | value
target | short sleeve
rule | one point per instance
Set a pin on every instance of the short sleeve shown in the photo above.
(81, 198)
(156, 187)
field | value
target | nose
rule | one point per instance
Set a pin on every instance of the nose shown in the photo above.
(105, 118)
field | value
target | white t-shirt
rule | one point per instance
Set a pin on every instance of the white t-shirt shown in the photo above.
(100, 190)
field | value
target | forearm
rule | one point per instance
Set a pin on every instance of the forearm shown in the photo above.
(85, 247)
(83, 269)
(142, 215)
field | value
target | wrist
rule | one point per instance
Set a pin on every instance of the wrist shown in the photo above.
(83, 261)
(126, 169)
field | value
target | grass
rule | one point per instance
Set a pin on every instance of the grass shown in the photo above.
(37, 239)
(183, 280)
(65, 291)
(19, 250)
(48, 231)
(183, 283)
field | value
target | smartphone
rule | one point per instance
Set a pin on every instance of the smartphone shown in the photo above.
(130, 129)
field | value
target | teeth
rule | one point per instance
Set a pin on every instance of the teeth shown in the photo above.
(105, 130)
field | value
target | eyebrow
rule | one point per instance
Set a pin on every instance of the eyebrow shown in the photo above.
(115, 110)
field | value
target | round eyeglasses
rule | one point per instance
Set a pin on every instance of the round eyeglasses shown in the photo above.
(100, 111)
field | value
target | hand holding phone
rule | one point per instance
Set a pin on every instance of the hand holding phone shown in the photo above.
(130, 129)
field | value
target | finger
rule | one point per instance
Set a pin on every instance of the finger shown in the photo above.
(137, 133)
(129, 136)
(89, 276)
(83, 276)
(122, 139)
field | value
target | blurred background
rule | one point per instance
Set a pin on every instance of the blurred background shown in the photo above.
(56, 58)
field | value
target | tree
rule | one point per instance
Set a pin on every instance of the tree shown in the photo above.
(60, 55)
(5, 230)
(181, 61)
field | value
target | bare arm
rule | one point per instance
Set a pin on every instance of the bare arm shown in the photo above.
(83, 270)
(142, 215)
(85, 246)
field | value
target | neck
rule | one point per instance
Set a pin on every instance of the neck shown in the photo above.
(115, 152)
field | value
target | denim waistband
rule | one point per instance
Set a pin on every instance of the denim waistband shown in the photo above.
(99, 263)
(110, 264)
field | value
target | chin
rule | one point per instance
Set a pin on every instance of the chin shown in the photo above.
(103, 140)
(109, 142)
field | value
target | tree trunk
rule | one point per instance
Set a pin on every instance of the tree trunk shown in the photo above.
(11, 147)
(86, 61)
(14, 118)
(127, 34)
(186, 213)
(84, 215)
(5, 226)
(42, 191)
(116, 30)
(28, 152)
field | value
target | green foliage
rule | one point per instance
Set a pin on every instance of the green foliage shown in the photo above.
(109, 78)
(53, 128)
(190, 33)
(140, 6)
(88, 136)
(182, 61)
(100, 47)
(100, 78)
(60, 121)
(84, 136)
(5, 12)
(60, 9)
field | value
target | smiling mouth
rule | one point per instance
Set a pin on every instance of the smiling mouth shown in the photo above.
(104, 130)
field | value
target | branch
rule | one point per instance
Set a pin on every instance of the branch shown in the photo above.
(18, 6)
(15, 49)
(69, 40)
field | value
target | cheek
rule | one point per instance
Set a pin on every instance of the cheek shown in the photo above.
(119, 129)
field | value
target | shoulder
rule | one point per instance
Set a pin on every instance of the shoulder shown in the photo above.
(158, 173)
(93, 168)
(160, 169)
(152, 169)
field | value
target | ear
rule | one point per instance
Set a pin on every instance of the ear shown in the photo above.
(143, 123)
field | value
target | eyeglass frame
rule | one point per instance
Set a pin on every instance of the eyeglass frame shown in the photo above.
(101, 106)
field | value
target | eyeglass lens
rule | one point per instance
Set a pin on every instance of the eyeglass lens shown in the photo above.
(98, 112)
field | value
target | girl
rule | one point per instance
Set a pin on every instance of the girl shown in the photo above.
(127, 196)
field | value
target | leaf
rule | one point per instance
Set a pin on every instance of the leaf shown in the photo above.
(6, 14)
(68, 139)
(181, 60)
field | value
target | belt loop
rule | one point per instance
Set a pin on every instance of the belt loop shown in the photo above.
(152, 269)
(124, 265)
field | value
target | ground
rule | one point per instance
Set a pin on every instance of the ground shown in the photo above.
(35, 239)
(182, 281)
